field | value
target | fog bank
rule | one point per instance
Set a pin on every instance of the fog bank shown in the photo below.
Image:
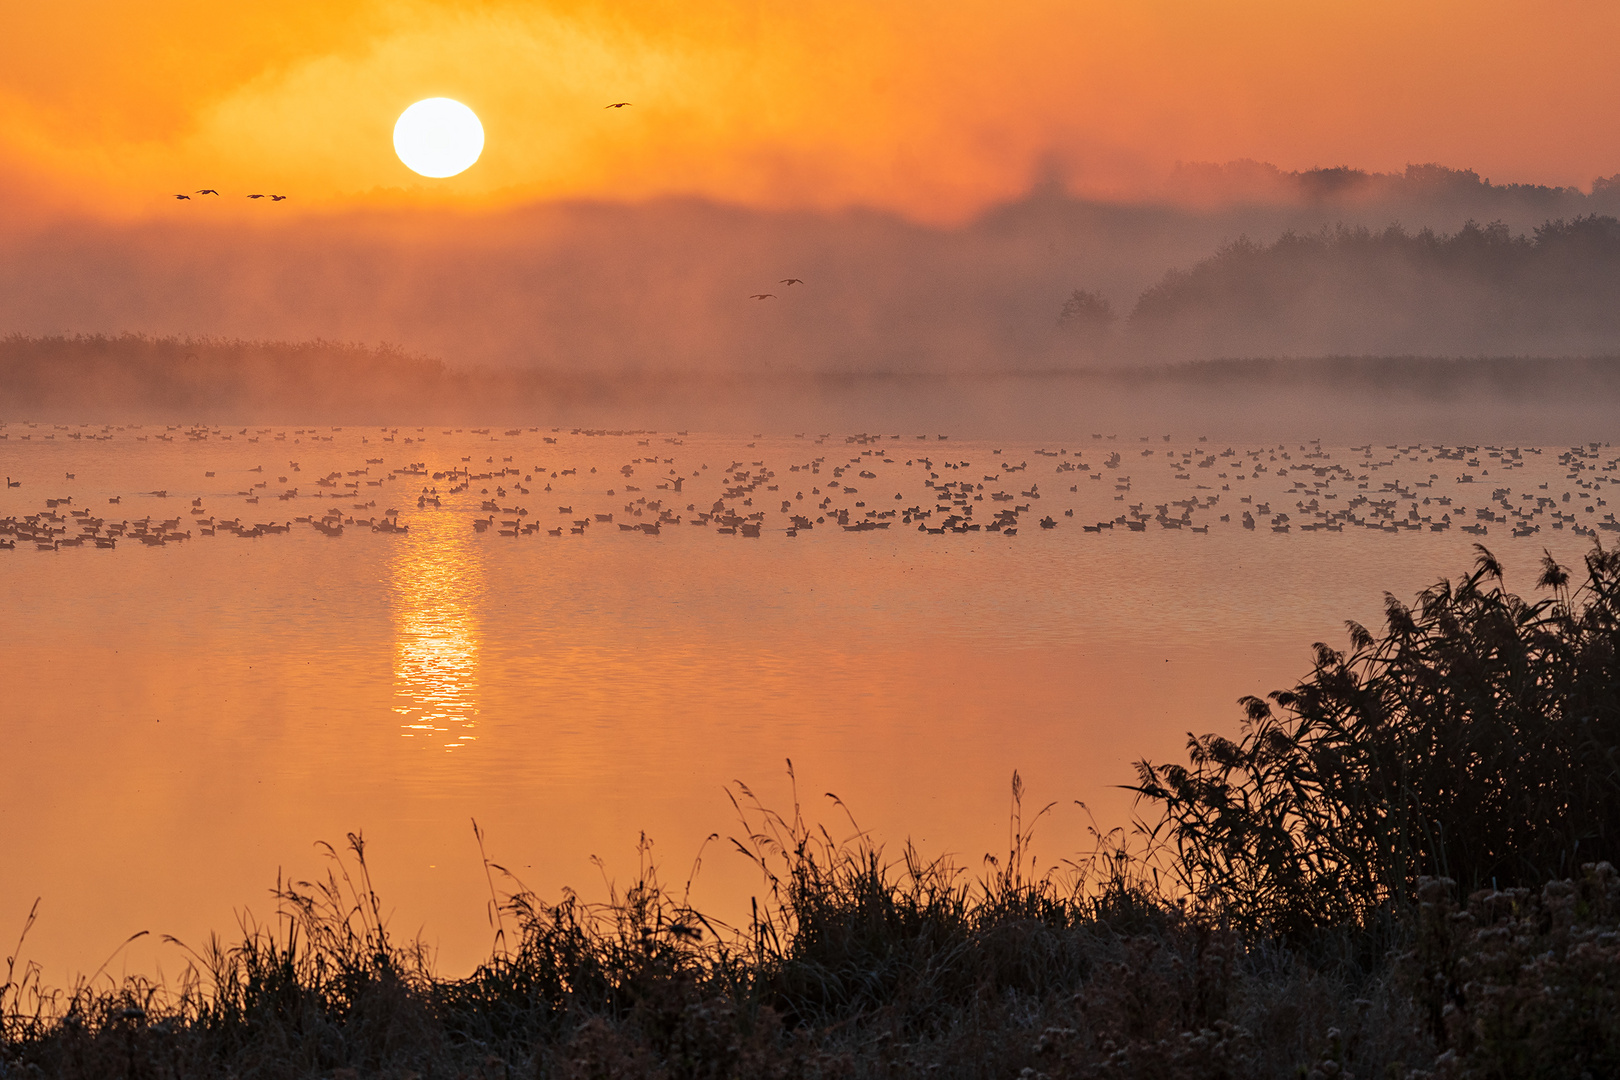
(667, 285)
(177, 381)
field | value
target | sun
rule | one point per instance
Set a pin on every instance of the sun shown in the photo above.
(438, 137)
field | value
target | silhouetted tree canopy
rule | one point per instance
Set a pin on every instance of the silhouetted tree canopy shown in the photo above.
(1431, 184)
(1355, 290)
(1087, 313)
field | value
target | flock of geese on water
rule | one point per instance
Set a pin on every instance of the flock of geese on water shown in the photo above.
(1313, 489)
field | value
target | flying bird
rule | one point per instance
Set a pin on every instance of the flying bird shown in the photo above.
(792, 281)
(763, 296)
(617, 105)
(182, 196)
(207, 191)
(278, 198)
(255, 196)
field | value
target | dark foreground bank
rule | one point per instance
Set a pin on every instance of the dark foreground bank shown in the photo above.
(1400, 868)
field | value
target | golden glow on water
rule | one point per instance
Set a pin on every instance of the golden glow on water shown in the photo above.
(182, 721)
(436, 577)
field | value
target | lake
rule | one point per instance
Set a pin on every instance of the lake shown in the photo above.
(281, 658)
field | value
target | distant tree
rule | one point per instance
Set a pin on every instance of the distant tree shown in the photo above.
(1606, 194)
(1356, 290)
(1327, 185)
(1086, 313)
(1436, 179)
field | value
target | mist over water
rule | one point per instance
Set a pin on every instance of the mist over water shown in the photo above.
(183, 380)
(665, 286)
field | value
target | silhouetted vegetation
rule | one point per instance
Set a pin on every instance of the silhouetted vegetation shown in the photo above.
(1415, 186)
(1480, 289)
(855, 964)
(134, 379)
(131, 375)
(1474, 740)
(1282, 917)
(1086, 313)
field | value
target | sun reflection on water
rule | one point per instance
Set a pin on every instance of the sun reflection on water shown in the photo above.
(437, 575)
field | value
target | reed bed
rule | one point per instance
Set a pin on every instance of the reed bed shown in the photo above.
(1476, 739)
(1286, 906)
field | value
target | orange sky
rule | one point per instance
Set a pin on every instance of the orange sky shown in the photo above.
(931, 108)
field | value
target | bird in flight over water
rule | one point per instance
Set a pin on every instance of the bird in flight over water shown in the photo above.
(207, 191)
(278, 198)
(792, 281)
(763, 296)
(255, 196)
(618, 105)
(182, 196)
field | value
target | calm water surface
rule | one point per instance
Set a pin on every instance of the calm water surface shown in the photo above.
(183, 720)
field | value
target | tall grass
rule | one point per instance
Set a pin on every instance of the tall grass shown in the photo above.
(852, 964)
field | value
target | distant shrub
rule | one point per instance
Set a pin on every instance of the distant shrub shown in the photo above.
(1087, 313)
